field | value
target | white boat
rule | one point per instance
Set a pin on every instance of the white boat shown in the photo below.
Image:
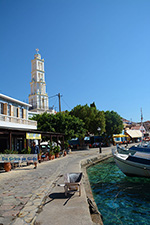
(137, 164)
(142, 147)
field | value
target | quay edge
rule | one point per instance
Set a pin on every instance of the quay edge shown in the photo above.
(96, 216)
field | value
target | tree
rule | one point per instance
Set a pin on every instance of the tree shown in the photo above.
(114, 124)
(61, 123)
(91, 117)
(44, 122)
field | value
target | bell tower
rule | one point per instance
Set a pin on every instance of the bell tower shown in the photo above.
(38, 97)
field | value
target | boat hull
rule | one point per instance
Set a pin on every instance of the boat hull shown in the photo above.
(130, 168)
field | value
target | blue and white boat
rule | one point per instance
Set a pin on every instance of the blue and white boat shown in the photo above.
(136, 164)
(142, 147)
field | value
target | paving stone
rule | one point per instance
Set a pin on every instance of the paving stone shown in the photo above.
(32, 214)
(29, 208)
(37, 202)
(1, 220)
(29, 203)
(23, 214)
(28, 219)
(12, 213)
(6, 207)
(19, 222)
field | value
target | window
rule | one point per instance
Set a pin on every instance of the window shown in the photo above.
(41, 66)
(9, 110)
(1, 108)
(15, 111)
(21, 112)
(38, 76)
(43, 102)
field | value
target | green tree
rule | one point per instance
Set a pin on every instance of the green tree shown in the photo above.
(91, 117)
(114, 124)
(44, 122)
(61, 123)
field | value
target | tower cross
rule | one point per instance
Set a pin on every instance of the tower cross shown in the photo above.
(37, 50)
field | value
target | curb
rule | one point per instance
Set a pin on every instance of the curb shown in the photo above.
(96, 216)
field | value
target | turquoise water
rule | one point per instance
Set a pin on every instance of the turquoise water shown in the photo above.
(120, 199)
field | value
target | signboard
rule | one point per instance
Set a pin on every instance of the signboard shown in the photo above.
(33, 136)
(14, 158)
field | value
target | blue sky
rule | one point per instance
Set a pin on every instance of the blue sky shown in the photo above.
(94, 50)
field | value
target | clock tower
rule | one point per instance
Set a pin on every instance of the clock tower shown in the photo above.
(38, 97)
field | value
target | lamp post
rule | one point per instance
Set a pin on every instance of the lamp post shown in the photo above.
(100, 149)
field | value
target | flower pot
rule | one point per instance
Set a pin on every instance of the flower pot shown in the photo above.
(65, 153)
(51, 157)
(56, 155)
(7, 166)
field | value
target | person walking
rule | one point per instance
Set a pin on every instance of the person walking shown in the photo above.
(35, 150)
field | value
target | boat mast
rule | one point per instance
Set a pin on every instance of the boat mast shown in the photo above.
(142, 123)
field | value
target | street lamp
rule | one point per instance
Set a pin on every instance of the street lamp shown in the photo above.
(100, 149)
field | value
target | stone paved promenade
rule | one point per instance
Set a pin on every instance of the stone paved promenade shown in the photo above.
(24, 190)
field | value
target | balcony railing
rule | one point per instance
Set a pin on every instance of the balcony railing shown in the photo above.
(17, 120)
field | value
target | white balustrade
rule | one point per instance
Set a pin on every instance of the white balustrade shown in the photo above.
(17, 120)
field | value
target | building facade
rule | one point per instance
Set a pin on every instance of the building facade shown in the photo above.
(14, 114)
(14, 123)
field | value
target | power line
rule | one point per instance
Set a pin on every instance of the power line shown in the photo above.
(58, 95)
(66, 104)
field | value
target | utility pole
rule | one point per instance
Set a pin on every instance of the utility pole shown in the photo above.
(59, 102)
(59, 96)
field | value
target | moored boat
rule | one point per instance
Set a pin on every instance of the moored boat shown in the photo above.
(137, 164)
(142, 147)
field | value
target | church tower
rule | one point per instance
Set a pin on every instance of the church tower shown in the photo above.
(38, 97)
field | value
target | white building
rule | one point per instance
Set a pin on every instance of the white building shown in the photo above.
(14, 123)
(14, 114)
(38, 97)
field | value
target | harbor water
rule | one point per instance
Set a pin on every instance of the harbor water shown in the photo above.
(120, 199)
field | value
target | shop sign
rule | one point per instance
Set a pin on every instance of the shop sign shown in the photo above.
(18, 158)
(33, 136)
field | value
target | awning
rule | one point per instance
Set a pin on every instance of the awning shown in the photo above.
(119, 135)
(134, 133)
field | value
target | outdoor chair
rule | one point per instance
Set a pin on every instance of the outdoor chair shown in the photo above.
(72, 182)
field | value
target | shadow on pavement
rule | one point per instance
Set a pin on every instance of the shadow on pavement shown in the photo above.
(59, 195)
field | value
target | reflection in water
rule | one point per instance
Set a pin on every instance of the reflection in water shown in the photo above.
(120, 199)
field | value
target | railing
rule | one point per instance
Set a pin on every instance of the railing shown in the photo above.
(17, 120)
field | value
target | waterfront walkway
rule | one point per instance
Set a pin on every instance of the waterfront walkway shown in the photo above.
(31, 196)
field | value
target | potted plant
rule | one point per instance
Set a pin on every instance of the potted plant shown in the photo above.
(56, 151)
(51, 155)
(65, 153)
(7, 165)
(51, 152)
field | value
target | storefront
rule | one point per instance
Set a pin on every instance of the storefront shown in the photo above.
(17, 140)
